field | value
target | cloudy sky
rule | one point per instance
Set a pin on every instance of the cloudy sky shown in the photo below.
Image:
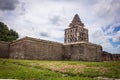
(47, 19)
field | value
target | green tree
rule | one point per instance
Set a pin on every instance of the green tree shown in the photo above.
(6, 34)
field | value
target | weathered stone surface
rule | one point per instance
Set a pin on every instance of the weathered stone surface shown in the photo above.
(110, 57)
(83, 51)
(4, 49)
(30, 48)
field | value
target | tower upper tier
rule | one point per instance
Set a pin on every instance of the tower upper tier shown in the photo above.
(76, 21)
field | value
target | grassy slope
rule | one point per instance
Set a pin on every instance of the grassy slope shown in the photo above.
(57, 70)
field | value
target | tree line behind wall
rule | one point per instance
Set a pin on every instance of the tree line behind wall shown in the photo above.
(7, 34)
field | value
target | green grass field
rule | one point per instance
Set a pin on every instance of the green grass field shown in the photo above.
(57, 70)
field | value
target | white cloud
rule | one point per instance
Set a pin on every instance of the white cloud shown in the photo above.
(114, 49)
(111, 28)
(116, 38)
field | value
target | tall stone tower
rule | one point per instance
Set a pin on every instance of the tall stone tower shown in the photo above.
(76, 31)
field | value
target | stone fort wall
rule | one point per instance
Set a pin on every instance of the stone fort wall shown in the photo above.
(110, 57)
(30, 48)
(37, 49)
(4, 49)
(82, 51)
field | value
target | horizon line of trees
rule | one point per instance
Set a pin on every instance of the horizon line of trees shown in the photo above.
(7, 34)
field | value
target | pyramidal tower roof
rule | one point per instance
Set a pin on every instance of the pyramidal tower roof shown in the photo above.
(76, 21)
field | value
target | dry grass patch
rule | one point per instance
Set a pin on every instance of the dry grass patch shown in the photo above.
(61, 67)
(64, 67)
(101, 69)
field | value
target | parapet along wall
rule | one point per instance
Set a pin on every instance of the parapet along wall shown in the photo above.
(83, 51)
(4, 49)
(37, 49)
(30, 48)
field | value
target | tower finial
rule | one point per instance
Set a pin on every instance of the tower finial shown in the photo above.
(76, 21)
